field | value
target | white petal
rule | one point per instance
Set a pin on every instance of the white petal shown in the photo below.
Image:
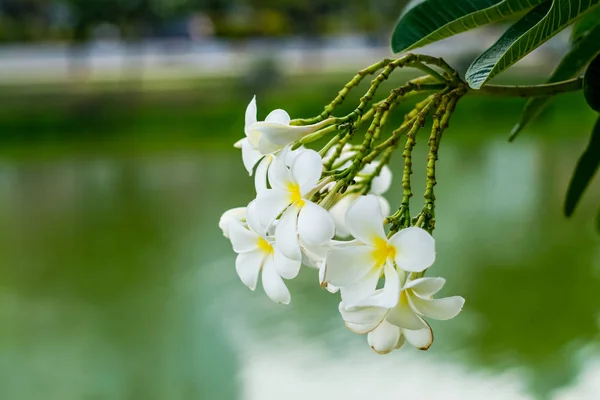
(314, 256)
(269, 204)
(286, 267)
(306, 170)
(284, 134)
(385, 206)
(384, 338)
(242, 239)
(278, 116)
(415, 249)
(329, 287)
(233, 215)
(252, 220)
(279, 174)
(382, 182)
(315, 225)
(260, 177)
(422, 339)
(338, 213)
(263, 144)
(441, 309)
(348, 265)
(250, 156)
(238, 144)
(356, 293)
(272, 283)
(389, 296)
(286, 234)
(403, 316)
(425, 287)
(290, 155)
(247, 266)
(401, 341)
(365, 220)
(362, 319)
(251, 112)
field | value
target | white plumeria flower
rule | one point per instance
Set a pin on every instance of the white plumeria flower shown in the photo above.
(256, 252)
(302, 224)
(237, 214)
(356, 269)
(389, 328)
(339, 210)
(265, 138)
(379, 185)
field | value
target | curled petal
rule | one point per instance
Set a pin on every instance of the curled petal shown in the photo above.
(233, 215)
(250, 113)
(329, 287)
(263, 144)
(284, 134)
(315, 225)
(389, 296)
(355, 294)
(286, 234)
(384, 338)
(314, 256)
(278, 116)
(272, 283)
(415, 249)
(269, 204)
(242, 239)
(385, 206)
(260, 177)
(440, 309)
(425, 287)
(403, 316)
(238, 144)
(362, 319)
(286, 267)
(338, 213)
(306, 170)
(365, 220)
(252, 220)
(422, 339)
(247, 266)
(250, 156)
(346, 266)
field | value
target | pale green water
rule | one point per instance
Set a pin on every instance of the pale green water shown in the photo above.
(115, 283)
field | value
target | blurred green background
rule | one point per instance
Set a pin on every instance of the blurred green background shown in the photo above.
(116, 162)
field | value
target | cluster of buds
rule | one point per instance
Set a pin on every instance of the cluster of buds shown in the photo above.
(325, 210)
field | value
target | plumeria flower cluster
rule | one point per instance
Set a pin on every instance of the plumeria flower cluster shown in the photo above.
(301, 216)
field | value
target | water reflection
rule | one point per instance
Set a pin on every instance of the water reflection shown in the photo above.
(115, 284)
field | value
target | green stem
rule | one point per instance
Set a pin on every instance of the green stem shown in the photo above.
(430, 71)
(344, 92)
(546, 89)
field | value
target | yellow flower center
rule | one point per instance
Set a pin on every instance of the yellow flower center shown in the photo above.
(265, 246)
(295, 195)
(382, 251)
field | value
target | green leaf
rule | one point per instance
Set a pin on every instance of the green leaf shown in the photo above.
(583, 26)
(583, 50)
(591, 84)
(584, 171)
(535, 28)
(434, 20)
(598, 222)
